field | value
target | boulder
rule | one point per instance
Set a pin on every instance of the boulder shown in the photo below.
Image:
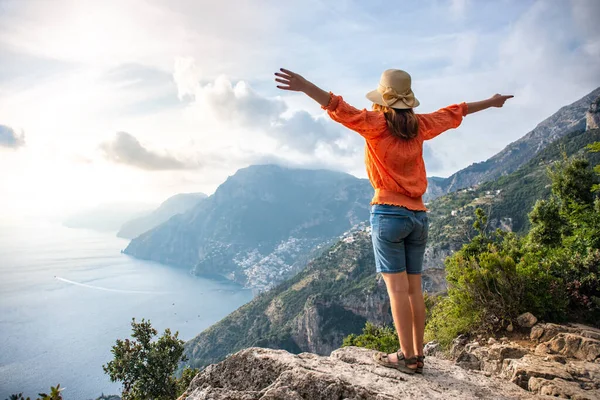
(492, 357)
(458, 344)
(571, 345)
(560, 388)
(526, 320)
(432, 348)
(520, 370)
(468, 360)
(348, 373)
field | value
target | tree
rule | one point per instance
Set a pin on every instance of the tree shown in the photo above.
(54, 395)
(145, 367)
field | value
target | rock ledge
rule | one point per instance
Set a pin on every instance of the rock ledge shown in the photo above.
(349, 373)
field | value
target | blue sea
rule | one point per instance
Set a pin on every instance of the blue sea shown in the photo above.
(67, 294)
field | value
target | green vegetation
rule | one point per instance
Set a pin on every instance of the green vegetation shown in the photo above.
(54, 395)
(553, 271)
(381, 337)
(506, 200)
(145, 367)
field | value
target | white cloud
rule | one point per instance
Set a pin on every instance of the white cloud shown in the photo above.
(126, 149)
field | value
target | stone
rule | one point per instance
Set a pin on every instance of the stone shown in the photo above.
(545, 332)
(510, 327)
(519, 371)
(571, 345)
(468, 360)
(492, 357)
(560, 388)
(492, 341)
(504, 339)
(458, 344)
(526, 320)
(470, 346)
(432, 348)
(258, 373)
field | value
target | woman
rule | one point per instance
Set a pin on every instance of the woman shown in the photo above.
(394, 137)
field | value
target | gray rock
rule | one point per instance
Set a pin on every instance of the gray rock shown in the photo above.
(560, 388)
(458, 344)
(592, 116)
(526, 320)
(571, 345)
(432, 348)
(519, 371)
(468, 360)
(348, 373)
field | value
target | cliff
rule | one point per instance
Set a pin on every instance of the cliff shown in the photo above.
(348, 373)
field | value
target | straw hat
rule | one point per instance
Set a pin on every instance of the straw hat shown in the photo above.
(394, 90)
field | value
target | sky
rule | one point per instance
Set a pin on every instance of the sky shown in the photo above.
(136, 100)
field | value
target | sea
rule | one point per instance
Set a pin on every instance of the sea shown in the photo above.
(66, 296)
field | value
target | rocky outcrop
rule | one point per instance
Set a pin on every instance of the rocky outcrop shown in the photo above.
(348, 373)
(558, 360)
(592, 116)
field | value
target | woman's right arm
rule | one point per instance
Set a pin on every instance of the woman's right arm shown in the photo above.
(450, 117)
(496, 100)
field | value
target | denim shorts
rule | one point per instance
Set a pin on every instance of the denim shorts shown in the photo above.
(399, 238)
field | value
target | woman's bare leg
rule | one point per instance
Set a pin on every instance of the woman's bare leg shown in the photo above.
(398, 290)
(417, 304)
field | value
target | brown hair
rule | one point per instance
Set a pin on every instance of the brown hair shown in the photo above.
(403, 123)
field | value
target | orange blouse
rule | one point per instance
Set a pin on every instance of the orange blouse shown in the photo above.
(395, 166)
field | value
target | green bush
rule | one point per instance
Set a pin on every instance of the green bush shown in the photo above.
(145, 367)
(54, 395)
(382, 338)
(553, 272)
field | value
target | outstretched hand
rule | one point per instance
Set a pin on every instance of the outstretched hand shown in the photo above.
(291, 81)
(296, 82)
(498, 100)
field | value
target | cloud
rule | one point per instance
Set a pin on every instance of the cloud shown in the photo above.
(458, 8)
(126, 149)
(10, 138)
(241, 106)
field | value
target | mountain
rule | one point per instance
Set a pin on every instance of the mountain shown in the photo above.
(507, 201)
(568, 119)
(107, 217)
(261, 225)
(174, 205)
(311, 312)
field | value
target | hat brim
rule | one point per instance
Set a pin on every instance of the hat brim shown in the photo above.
(376, 98)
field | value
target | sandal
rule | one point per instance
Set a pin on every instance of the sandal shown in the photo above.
(382, 359)
(420, 364)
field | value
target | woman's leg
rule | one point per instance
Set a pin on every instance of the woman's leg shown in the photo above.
(417, 304)
(415, 245)
(397, 287)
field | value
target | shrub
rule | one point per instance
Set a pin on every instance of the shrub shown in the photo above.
(145, 367)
